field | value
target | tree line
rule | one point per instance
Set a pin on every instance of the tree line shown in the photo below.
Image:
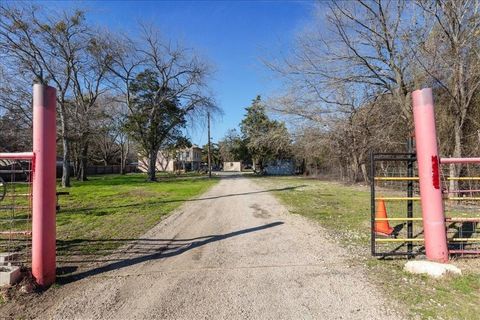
(349, 76)
(260, 140)
(347, 88)
(117, 95)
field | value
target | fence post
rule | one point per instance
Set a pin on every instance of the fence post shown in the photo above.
(429, 172)
(44, 185)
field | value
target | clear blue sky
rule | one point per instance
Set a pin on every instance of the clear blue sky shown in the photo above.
(233, 35)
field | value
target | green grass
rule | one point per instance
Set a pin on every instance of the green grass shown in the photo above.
(114, 207)
(345, 212)
(107, 211)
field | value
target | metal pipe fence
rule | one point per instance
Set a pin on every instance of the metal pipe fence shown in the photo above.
(16, 208)
(395, 181)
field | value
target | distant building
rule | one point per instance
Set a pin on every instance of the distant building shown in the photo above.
(187, 159)
(280, 167)
(235, 166)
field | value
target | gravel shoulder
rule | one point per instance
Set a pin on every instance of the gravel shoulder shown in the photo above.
(233, 253)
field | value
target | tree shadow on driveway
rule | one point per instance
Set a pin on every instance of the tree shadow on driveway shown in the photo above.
(165, 250)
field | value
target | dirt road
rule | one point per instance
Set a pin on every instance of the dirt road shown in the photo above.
(234, 253)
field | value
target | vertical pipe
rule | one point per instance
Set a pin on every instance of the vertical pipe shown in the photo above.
(410, 195)
(428, 170)
(372, 203)
(44, 185)
(209, 148)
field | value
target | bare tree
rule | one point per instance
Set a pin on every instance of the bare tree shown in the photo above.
(450, 56)
(111, 143)
(126, 63)
(353, 62)
(363, 45)
(89, 83)
(172, 88)
(46, 48)
(64, 50)
(16, 95)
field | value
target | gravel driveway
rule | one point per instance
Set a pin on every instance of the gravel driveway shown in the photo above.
(233, 253)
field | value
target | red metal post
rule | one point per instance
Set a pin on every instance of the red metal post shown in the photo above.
(429, 172)
(44, 185)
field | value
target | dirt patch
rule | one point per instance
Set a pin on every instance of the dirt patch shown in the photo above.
(19, 296)
(259, 212)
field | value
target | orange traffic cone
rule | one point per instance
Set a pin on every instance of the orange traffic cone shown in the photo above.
(382, 226)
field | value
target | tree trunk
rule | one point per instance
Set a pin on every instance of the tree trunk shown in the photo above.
(152, 166)
(66, 162)
(455, 169)
(122, 162)
(82, 170)
(355, 167)
(365, 172)
(66, 149)
(122, 157)
(124, 149)
(76, 165)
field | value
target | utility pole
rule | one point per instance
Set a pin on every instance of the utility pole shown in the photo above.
(209, 148)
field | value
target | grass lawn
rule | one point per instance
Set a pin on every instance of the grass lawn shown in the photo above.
(345, 212)
(119, 208)
(108, 211)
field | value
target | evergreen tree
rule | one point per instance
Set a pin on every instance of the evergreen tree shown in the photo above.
(265, 139)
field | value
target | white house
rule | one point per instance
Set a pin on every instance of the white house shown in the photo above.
(234, 166)
(187, 159)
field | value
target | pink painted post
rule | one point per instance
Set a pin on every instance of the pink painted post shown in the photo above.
(429, 173)
(44, 185)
